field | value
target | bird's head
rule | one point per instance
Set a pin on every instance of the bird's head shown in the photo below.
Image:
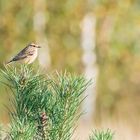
(34, 45)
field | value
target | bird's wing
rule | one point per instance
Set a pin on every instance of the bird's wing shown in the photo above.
(17, 57)
(23, 54)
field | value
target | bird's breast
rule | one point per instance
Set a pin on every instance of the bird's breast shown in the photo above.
(30, 58)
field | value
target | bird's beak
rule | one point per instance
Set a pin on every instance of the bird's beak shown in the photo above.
(38, 46)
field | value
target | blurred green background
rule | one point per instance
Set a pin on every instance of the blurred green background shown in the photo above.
(117, 48)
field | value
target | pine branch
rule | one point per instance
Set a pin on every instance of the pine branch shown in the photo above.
(44, 108)
(102, 135)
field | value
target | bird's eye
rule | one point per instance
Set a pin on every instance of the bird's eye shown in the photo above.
(33, 45)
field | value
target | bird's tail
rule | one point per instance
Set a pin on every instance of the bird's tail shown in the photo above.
(8, 62)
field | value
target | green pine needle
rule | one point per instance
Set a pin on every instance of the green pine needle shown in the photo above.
(58, 97)
(102, 135)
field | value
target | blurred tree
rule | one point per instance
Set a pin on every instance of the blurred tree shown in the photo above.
(40, 20)
(118, 57)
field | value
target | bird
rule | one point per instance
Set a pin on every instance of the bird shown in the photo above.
(27, 55)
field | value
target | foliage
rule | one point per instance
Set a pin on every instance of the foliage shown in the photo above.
(43, 107)
(117, 45)
(101, 135)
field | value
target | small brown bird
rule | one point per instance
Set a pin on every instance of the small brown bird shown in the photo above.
(27, 55)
